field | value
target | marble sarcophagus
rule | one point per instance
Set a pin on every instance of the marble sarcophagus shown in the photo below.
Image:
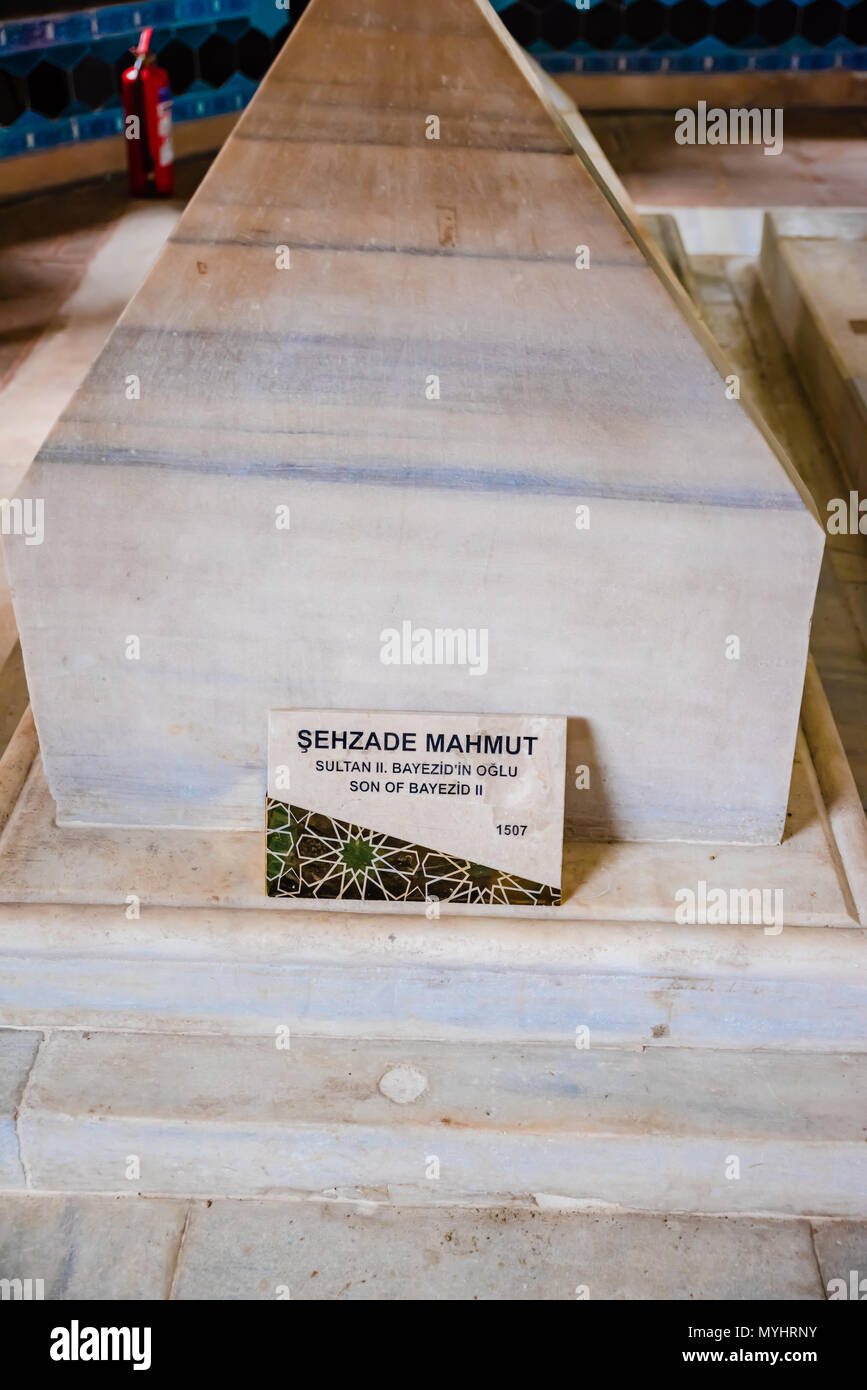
(405, 418)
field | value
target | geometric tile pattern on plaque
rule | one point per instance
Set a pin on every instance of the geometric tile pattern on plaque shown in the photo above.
(310, 855)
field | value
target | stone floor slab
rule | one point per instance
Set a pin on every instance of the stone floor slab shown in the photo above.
(841, 1249)
(91, 1247)
(278, 1250)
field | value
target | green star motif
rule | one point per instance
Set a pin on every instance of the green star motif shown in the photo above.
(311, 855)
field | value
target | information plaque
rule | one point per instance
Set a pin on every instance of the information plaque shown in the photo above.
(416, 808)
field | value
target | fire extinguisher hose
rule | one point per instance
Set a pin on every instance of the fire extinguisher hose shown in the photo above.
(146, 151)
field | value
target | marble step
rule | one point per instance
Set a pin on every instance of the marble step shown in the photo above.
(236, 973)
(675, 1130)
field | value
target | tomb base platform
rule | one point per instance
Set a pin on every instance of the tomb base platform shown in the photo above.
(253, 1048)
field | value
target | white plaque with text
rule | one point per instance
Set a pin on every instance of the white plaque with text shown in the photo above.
(395, 807)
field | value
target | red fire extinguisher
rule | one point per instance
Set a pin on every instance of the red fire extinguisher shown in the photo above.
(147, 104)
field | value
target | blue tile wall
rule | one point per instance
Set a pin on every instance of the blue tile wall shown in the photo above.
(60, 75)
